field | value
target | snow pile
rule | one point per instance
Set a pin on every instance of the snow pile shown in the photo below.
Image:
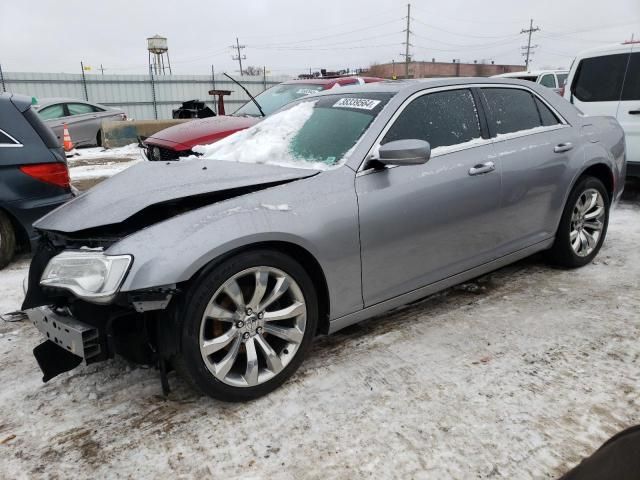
(267, 142)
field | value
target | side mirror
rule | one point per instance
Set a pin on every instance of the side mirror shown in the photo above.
(404, 152)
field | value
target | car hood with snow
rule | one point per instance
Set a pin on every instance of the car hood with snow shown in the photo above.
(194, 183)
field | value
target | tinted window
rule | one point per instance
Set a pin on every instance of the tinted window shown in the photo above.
(511, 110)
(631, 90)
(51, 112)
(599, 79)
(79, 108)
(442, 119)
(5, 139)
(547, 116)
(548, 81)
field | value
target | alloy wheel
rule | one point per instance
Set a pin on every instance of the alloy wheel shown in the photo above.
(587, 222)
(252, 326)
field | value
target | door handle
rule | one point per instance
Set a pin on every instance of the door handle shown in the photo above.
(482, 168)
(563, 147)
(634, 112)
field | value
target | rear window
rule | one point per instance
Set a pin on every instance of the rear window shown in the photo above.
(546, 116)
(45, 133)
(511, 110)
(599, 79)
(631, 90)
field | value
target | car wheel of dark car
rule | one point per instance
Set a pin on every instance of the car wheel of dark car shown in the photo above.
(7, 240)
(583, 226)
(248, 324)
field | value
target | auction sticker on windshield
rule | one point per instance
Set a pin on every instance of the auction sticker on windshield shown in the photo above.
(360, 103)
(307, 91)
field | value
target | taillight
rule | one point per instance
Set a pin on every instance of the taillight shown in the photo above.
(54, 173)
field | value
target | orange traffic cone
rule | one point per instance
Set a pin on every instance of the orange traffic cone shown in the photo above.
(67, 144)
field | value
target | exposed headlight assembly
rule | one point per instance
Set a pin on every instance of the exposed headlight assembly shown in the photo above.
(90, 275)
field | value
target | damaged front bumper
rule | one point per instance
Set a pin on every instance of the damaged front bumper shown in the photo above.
(69, 343)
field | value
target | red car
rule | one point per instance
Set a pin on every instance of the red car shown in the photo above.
(177, 141)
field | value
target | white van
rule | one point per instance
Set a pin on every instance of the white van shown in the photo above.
(553, 79)
(606, 81)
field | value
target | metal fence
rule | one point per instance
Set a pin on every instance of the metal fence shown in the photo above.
(142, 97)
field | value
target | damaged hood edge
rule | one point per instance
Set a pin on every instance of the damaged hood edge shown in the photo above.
(149, 183)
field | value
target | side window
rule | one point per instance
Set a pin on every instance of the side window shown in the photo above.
(547, 116)
(441, 118)
(51, 112)
(631, 90)
(79, 108)
(599, 79)
(548, 80)
(511, 110)
(6, 139)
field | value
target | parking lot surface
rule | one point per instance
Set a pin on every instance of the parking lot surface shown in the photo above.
(518, 374)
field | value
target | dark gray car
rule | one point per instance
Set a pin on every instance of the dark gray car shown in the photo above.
(34, 178)
(342, 206)
(83, 119)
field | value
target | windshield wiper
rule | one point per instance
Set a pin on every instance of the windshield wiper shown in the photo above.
(253, 99)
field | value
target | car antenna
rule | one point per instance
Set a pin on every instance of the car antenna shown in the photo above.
(253, 99)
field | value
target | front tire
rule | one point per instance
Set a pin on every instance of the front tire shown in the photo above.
(247, 325)
(7, 240)
(583, 225)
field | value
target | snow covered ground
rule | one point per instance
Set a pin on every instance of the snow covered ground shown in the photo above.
(518, 374)
(91, 164)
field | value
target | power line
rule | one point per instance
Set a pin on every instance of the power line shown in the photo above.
(529, 47)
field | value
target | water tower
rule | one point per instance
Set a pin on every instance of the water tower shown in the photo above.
(158, 55)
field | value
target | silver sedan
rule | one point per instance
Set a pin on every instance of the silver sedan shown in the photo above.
(341, 206)
(83, 119)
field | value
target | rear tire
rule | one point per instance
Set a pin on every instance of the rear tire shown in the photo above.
(235, 346)
(7, 240)
(583, 226)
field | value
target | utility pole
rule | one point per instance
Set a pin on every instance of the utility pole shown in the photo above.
(101, 69)
(528, 49)
(239, 57)
(406, 55)
(84, 81)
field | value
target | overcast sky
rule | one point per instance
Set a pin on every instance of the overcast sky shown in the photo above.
(291, 36)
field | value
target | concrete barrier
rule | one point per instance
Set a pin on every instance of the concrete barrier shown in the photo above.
(119, 134)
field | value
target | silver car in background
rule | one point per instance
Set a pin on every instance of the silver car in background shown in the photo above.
(83, 119)
(341, 206)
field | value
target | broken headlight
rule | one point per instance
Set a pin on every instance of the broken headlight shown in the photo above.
(92, 276)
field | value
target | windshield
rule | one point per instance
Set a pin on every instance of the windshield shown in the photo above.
(272, 99)
(316, 133)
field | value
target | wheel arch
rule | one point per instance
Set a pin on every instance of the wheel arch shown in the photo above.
(22, 238)
(307, 260)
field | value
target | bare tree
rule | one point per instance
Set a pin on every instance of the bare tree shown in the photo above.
(253, 71)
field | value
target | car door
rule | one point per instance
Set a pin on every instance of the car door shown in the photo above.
(53, 116)
(82, 122)
(534, 146)
(423, 223)
(629, 108)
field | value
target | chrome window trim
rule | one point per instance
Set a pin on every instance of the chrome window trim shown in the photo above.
(15, 144)
(522, 133)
